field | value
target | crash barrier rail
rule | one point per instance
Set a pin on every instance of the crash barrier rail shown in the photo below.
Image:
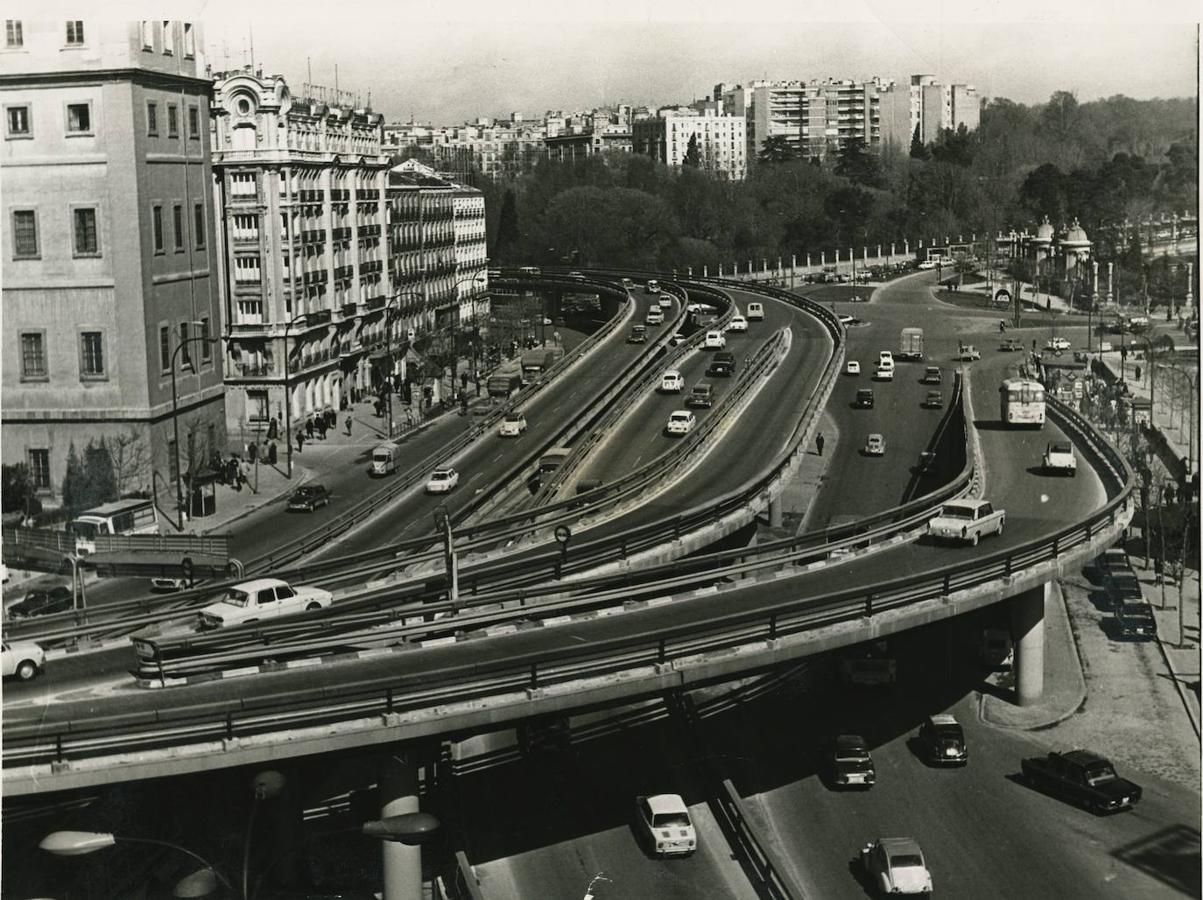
(560, 658)
(773, 879)
(65, 541)
(465, 886)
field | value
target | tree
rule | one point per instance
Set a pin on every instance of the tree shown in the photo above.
(955, 147)
(98, 471)
(858, 164)
(74, 489)
(17, 493)
(918, 148)
(776, 149)
(1043, 192)
(693, 156)
(131, 463)
(507, 227)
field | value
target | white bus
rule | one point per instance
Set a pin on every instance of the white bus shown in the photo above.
(120, 517)
(1022, 402)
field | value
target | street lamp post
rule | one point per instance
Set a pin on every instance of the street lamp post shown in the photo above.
(303, 317)
(175, 424)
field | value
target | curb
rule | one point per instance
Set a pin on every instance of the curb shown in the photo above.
(1178, 686)
(1079, 696)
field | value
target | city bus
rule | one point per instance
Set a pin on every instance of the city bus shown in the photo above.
(120, 517)
(1022, 402)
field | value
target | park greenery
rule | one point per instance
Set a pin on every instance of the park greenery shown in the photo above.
(1101, 162)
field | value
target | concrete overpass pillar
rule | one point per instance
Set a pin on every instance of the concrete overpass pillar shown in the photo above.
(1027, 627)
(399, 795)
(775, 514)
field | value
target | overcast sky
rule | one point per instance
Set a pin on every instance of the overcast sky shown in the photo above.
(453, 61)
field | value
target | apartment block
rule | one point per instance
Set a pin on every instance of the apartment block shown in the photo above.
(301, 211)
(935, 107)
(721, 140)
(109, 291)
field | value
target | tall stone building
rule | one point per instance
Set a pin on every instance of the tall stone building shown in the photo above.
(107, 274)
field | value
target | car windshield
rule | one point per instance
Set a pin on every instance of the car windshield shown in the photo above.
(235, 597)
(906, 861)
(957, 512)
(1136, 608)
(671, 820)
(440, 476)
(852, 754)
(513, 418)
(86, 530)
(306, 491)
(680, 417)
(1060, 448)
(1100, 774)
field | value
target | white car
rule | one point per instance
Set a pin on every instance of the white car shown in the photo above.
(885, 359)
(680, 421)
(896, 866)
(655, 316)
(714, 340)
(652, 286)
(852, 368)
(966, 520)
(968, 353)
(24, 659)
(263, 598)
(672, 382)
(884, 374)
(737, 323)
(875, 445)
(513, 425)
(677, 340)
(442, 481)
(1057, 343)
(927, 264)
(845, 319)
(755, 312)
(665, 301)
(1059, 457)
(663, 822)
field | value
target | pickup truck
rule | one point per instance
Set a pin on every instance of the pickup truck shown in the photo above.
(1083, 778)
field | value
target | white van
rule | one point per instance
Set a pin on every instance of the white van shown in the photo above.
(754, 312)
(121, 517)
(384, 459)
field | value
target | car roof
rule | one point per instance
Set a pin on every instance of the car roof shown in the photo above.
(943, 719)
(672, 372)
(877, 436)
(680, 413)
(1061, 446)
(850, 742)
(1084, 757)
(967, 503)
(900, 845)
(666, 803)
(443, 470)
(257, 584)
(511, 416)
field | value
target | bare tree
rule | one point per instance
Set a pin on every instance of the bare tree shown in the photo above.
(131, 462)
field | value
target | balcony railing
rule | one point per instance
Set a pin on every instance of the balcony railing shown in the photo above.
(373, 303)
(341, 234)
(255, 370)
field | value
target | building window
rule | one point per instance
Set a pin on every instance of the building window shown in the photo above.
(152, 119)
(167, 42)
(75, 32)
(164, 348)
(25, 234)
(17, 120)
(91, 354)
(194, 123)
(177, 223)
(256, 406)
(13, 36)
(148, 35)
(173, 121)
(79, 118)
(189, 40)
(156, 214)
(33, 355)
(185, 349)
(206, 347)
(86, 241)
(39, 468)
(198, 225)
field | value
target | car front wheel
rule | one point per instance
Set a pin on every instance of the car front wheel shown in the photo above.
(26, 670)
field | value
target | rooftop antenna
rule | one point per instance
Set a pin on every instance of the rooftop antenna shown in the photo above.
(251, 37)
(308, 73)
(336, 82)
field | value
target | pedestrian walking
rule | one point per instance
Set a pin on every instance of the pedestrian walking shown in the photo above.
(300, 440)
(271, 453)
(819, 443)
(309, 428)
(252, 451)
(321, 427)
(348, 424)
(271, 429)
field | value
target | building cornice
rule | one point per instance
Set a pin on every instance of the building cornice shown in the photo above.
(148, 77)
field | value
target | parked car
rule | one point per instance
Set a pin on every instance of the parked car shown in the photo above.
(714, 340)
(896, 866)
(850, 762)
(1123, 585)
(263, 598)
(655, 316)
(931, 375)
(737, 323)
(663, 822)
(309, 497)
(927, 264)
(24, 659)
(943, 741)
(638, 335)
(934, 400)
(1135, 618)
(875, 445)
(852, 367)
(43, 602)
(755, 312)
(442, 481)
(672, 382)
(966, 520)
(700, 395)
(1057, 343)
(967, 353)
(1083, 778)
(864, 398)
(513, 425)
(680, 421)
(1059, 459)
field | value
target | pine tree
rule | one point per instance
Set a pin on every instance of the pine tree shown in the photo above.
(918, 148)
(693, 156)
(74, 482)
(507, 226)
(98, 471)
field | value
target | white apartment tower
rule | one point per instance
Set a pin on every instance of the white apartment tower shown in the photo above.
(721, 140)
(936, 107)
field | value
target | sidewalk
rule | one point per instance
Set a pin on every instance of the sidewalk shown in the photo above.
(1176, 436)
(798, 493)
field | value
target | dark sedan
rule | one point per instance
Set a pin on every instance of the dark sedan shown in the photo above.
(851, 763)
(309, 497)
(43, 603)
